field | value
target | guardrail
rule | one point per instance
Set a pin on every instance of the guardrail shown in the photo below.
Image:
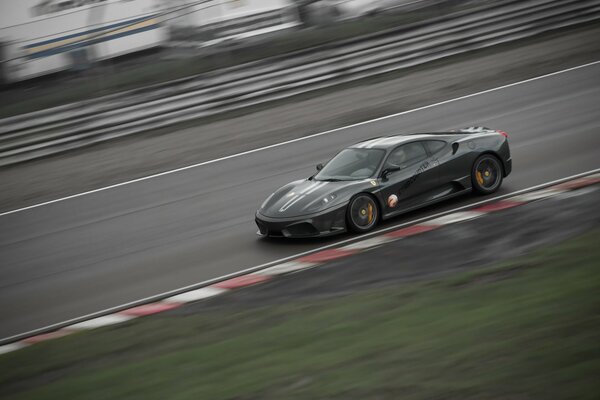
(55, 130)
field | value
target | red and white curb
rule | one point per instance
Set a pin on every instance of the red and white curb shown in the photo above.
(304, 262)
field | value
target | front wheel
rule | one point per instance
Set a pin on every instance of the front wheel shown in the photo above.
(363, 213)
(486, 174)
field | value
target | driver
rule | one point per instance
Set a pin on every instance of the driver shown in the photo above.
(398, 158)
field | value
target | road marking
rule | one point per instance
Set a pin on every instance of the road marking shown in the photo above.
(498, 206)
(101, 321)
(411, 231)
(7, 348)
(541, 194)
(151, 308)
(244, 153)
(292, 263)
(48, 336)
(454, 217)
(242, 281)
(369, 243)
(326, 255)
(195, 295)
(286, 268)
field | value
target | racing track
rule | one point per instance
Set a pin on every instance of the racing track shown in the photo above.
(85, 254)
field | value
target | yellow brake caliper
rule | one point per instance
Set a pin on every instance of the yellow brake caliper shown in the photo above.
(479, 177)
(370, 213)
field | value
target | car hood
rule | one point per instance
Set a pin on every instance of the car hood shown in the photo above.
(305, 197)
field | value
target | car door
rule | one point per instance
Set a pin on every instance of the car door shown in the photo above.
(454, 165)
(407, 186)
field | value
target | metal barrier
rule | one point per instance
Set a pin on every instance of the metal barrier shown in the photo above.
(51, 131)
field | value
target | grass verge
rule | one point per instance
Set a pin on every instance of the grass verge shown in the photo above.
(525, 329)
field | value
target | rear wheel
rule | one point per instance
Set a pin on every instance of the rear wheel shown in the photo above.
(363, 213)
(486, 174)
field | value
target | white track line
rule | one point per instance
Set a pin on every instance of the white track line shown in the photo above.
(289, 259)
(299, 139)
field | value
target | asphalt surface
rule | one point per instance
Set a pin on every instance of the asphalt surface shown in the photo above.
(165, 149)
(471, 245)
(82, 255)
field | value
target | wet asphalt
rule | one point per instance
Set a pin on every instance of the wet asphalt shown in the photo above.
(89, 253)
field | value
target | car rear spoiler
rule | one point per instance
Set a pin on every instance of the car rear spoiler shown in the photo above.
(482, 129)
(475, 129)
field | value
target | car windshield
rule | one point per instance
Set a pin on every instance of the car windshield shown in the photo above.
(352, 164)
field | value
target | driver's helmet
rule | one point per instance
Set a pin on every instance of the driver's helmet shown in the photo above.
(398, 157)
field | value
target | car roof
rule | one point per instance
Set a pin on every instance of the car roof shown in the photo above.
(386, 142)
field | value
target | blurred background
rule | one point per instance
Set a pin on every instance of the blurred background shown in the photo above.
(129, 43)
(187, 54)
(44, 37)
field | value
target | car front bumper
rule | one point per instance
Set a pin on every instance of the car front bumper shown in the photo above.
(326, 223)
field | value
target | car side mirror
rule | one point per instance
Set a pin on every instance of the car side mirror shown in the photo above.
(454, 148)
(319, 166)
(386, 172)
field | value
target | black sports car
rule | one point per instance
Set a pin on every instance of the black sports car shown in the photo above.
(382, 177)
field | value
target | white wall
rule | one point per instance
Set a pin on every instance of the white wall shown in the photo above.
(218, 10)
(20, 26)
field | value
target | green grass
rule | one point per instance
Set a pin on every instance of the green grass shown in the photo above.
(526, 329)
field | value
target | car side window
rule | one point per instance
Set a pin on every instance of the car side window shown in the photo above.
(406, 155)
(434, 145)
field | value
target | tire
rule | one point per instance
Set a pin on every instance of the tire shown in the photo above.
(362, 214)
(486, 174)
